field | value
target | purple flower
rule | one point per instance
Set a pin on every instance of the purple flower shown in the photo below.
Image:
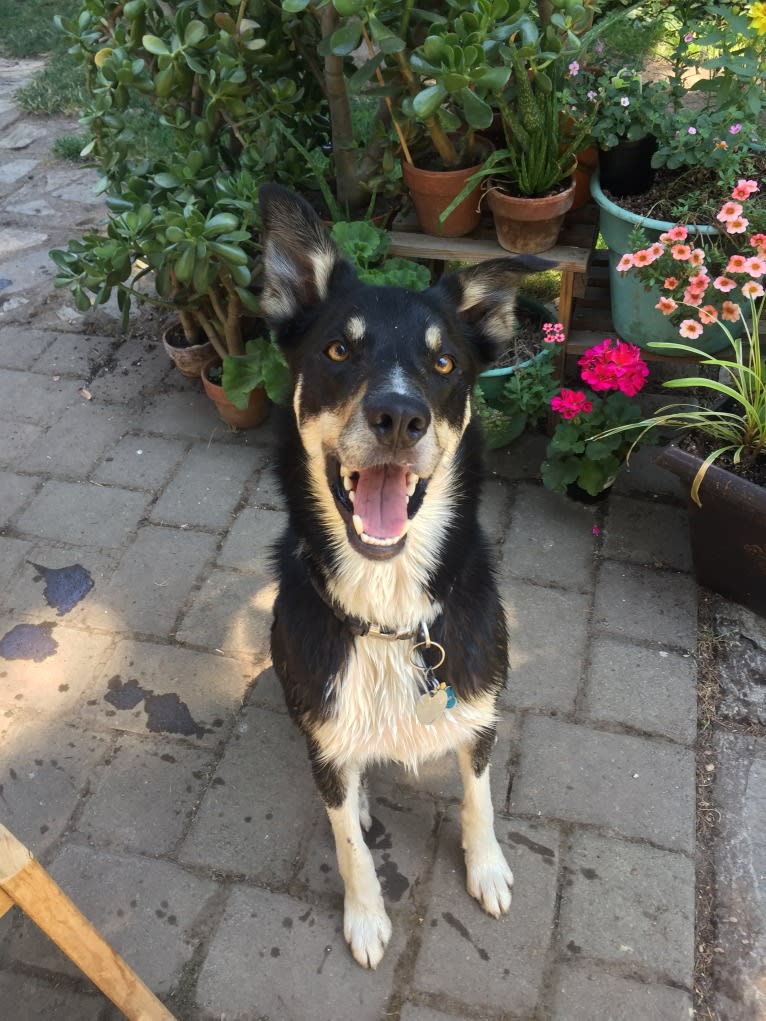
(735, 129)
(692, 130)
(591, 95)
(599, 47)
(688, 37)
(624, 101)
(574, 68)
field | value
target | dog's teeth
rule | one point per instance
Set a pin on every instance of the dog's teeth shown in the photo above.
(348, 485)
(344, 470)
(412, 481)
(351, 495)
(358, 525)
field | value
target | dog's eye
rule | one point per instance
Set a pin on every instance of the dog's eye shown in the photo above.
(444, 364)
(337, 351)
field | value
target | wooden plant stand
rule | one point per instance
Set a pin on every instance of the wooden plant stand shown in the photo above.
(24, 883)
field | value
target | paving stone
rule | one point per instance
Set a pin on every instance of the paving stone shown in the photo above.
(185, 415)
(633, 785)
(642, 475)
(250, 538)
(550, 540)
(15, 240)
(206, 488)
(651, 534)
(75, 355)
(740, 867)
(265, 492)
(741, 661)
(147, 910)
(135, 372)
(261, 802)
(202, 693)
(647, 689)
(144, 795)
(38, 596)
(477, 960)
(153, 581)
(16, 438)
(25, 998)
(412, 1012)
(28, 397)
(399, 839)
(285, 939)
(520, 460)
(13, 553)
(21, 135)
(629, 904)
(83, 514)
(267, 691)
(15, 491)
(53, 685)
(547, 632)
(583, 993)
(140, 462)
(20, 348)
(30, 270)
(79, 190)
(32, 207)
(640, 603)
(232, 613)
(494, 510)
(72, 447)
(12, 170)
(45, 766)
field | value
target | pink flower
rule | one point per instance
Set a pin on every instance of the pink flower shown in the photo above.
(752, 289)
(708, 314)
(642, 258)
(735, 129)
(737, 264)
(574, 68)
(670, 283)
(690, 328)
(729, 211)
(756, 240)
(595, 530)
(625, 263)
(624, 101)
(681, 253)
(755, 266)
(689, 37)
(614, 365)
(697, 258)
(724, 284)
(737, 225)
(656, 250)
(699, 281)
(553, 333)
(666, 306)
(744, 189)
(571, 403)
(678, 233)
(693, 296)
(692, 130)
(730, 312)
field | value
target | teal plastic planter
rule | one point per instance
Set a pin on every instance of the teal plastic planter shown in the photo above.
(492, 381)
(633, 313)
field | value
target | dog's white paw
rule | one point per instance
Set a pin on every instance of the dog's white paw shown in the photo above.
(367, 931)
(365, 819)
(489, 880)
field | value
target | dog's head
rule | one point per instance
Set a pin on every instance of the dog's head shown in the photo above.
(382, 376)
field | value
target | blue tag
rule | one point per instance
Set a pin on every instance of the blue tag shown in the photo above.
(451, 700)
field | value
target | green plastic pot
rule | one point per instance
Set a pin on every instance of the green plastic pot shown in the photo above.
(634, 314)
(492, 381)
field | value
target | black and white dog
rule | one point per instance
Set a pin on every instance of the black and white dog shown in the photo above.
(389, 637)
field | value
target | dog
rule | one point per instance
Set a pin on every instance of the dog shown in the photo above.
(388, 637)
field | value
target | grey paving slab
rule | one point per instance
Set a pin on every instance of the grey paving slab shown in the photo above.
(16, 438)
(206, 488)
(13, 170)
(479, 961)
(629, 904)
(520, 460)
(134, 372)
(650, 605)
(198, 693)
(494, 510)
(36, 595)
(264, 490)
(289, 940)
(13, 552)
(414, 1012)
(153, 580)
(231, 612)
(28, 271)
(642, 475)
(267, 691)
(72, 446)
(148, 911)
(741, 661)
(547, 634)
(647, 689)
(140, 462)
(15, 240)
(83, 514)
(45, 767)
(21, 347)
(585, 993)
(75, 355)
(247, 545)
(28, 397)
(25, 998)
(740, 863)
(635, 786)
(646, 533)
(144, 794)
(15, 491)
(184, 415)
(550, 540)
(53, 685)
(261, 803)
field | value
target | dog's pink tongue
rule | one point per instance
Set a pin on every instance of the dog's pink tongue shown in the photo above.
(381, 500)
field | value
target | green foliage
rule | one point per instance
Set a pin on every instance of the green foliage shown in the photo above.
(28, 30)
(59, 87)
(366, 245)
(523, 402)
(262, 364)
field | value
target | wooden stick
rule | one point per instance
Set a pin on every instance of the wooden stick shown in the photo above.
(389, 104)
(5, 903)
(28, 885)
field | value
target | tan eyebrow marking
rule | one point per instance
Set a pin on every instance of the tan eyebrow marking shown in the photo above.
(433, 338)
(355, 328)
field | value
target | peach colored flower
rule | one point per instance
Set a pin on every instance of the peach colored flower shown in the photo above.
(752, 289)
(738, 225)
(666, 306)
(699, 281)
(681, 253)
(690, 328)
(755, 266)
(736, 264)
(744, 189)
(724, 284)
(697, 258)
(642, 258)
(729, 211)
(678, 233)
(656, 250)
(693, 296)
(625, 263)
(730, 312)
(670, 283)
(708, 314)
(758, 241)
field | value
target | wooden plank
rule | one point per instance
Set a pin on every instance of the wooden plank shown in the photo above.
(14, 856)
(475, 249)
(5, 903)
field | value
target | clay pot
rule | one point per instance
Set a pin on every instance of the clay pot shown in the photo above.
(190, 359)
(529, 224)
(433, 190)
(587, 162)
(239, 418)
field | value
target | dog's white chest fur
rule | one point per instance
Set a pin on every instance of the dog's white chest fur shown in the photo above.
(374, 711)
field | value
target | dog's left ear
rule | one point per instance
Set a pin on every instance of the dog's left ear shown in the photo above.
(484, 297)
(298, 255)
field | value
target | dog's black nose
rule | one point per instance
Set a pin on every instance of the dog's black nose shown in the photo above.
(398, 420)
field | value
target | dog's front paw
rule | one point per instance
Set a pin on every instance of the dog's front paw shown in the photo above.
(489, 879)
(367, 931)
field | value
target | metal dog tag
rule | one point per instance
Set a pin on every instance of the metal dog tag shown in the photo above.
(430, 707)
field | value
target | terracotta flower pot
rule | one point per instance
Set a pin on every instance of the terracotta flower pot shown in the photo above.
(433, 190)
(587, 162)
(190, 359)
(529, 224)
(239, 418)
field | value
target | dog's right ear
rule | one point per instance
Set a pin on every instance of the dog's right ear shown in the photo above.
(298, 255)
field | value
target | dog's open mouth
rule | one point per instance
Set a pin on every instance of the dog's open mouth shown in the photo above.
(377, 504)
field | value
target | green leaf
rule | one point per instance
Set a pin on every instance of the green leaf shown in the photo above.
(295, 6)
(221, 223)
(427, 102)
(478, 113)
(345, 39)
(347, 7)
(154, 45)
(230, 253)
(195, 33)
(184, 265)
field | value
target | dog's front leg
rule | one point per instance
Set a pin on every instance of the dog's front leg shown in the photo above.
(366, 925)
(488, 877)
